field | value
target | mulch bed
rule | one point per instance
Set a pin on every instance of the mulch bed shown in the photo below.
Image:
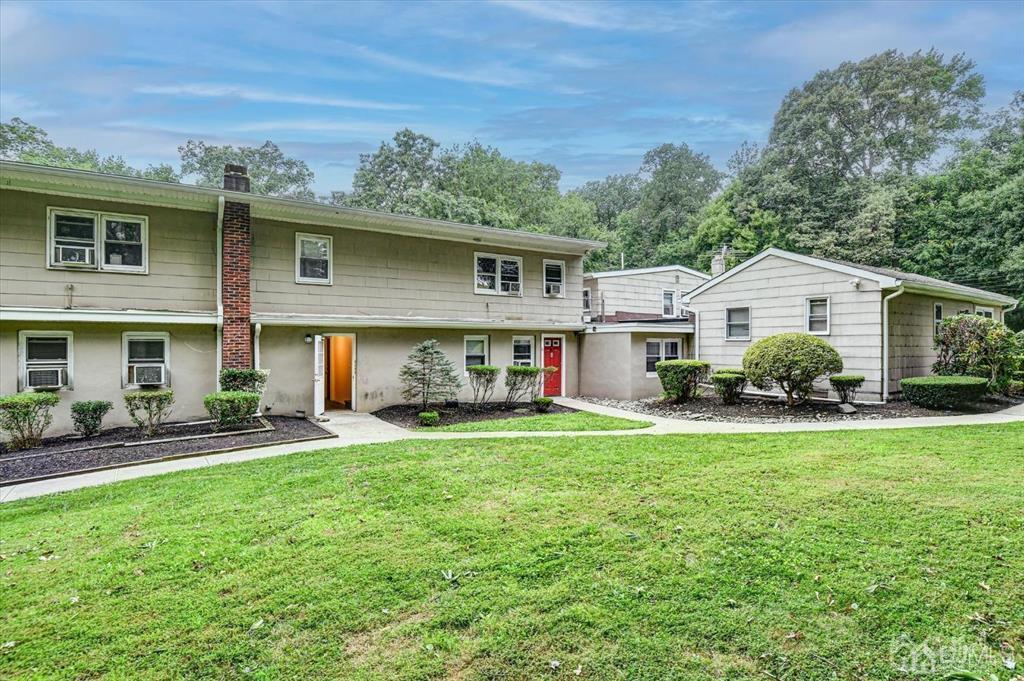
(407, 415)
(64, 455)
(709, 407)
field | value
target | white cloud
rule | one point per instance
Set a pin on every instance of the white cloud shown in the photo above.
(259, 95)
(321, 125)
(610, 17)
(16, 104)
(488, 74)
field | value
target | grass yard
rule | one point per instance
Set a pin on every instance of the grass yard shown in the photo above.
(795, 556)
(573, 421)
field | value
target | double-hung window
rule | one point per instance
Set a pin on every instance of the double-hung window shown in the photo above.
(983, 311)
(522, 351)
(938, 320)
(78, 239)
(476, 350)
(818, 313)
(46, 359)
(668, 303)
(146, 359)
(498, 274)
(586, 300)
(737, 323)
(658, 349)
(313, 259)
(554, 278)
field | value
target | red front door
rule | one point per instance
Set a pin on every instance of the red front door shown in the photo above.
(553, 358)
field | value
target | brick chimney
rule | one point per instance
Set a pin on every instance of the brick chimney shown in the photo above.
(718, 262)
(236, 346)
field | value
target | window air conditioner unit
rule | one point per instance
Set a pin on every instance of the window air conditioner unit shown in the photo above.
(147, 374)
(552, 289)
(76, 255)
(45, 377)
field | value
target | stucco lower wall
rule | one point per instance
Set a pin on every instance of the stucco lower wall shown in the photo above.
(614, 365)
(379, 354)
(97, 361)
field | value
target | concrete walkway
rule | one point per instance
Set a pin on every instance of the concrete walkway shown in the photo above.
(358, 428)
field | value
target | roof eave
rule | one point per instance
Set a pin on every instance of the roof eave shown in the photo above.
(957, 294)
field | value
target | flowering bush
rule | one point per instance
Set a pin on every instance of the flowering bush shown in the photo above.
(971, 345)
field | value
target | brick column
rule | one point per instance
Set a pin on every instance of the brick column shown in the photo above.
(236, 347)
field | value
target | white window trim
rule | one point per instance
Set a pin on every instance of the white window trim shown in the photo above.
(23, 337)
(299, 279)
(675, 302)
(533, 348)
(487, 351)
(544, 277)
(937, 317)
(145, 335)
(725, 323)
(586, 299)
(99, 220)
(828, 315)
(978, 309)
(497, 275)
(661, 352)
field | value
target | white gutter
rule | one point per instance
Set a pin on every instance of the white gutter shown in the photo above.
(696, 334)
(885, 341)
(220, 283)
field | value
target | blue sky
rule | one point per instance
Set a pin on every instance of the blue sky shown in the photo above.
(586, 86)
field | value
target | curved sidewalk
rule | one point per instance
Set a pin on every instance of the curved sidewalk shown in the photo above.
(358, 428)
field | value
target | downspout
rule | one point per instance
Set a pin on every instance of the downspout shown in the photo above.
(220, 284)
(885, 341)
(256, 345)
(696, 333)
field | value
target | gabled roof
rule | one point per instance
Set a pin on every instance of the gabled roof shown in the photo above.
(645, 270)
(885, 277)
(93, 185)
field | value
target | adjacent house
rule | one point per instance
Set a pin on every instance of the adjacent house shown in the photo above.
(108, 284)
(882, 321)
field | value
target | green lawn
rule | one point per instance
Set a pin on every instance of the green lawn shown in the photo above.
(795, 556)
(573, 421)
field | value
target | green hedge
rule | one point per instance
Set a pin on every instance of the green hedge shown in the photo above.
(729, 370)
(429, 418)
(943, 392)
(26, 416)
(543, 404)
(231, 407)
(681, 378)
(87, 415)
(149, 408)
(243, 380)
(729, 386)
(846, 386)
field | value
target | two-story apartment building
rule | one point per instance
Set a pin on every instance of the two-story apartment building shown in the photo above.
(109, 284)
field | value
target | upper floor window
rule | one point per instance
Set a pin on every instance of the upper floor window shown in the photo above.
(586, 300)
(498, 274)
(522, 351)
(313, 259)
(668, 303)
(146, 358)
(737, 323)
(90, 240)
(938, 320)
(45, 359)
(984, 311)
(554, 278)
(818, 316)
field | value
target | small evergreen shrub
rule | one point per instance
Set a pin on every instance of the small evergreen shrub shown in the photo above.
(729, 370)
(231, 407)
(244, 380)
(429, 376)
(729, 386)
(482, 379)
(26, 416)
(543, 404)
(520, 382)
(792, 361)
(429, 418)
(681, 378)
(87, 415)
(149, 408)
(943, 392)
(846, 386)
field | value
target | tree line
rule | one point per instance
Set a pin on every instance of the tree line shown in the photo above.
(887, 161)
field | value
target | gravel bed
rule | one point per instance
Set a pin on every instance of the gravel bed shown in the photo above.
(407, 415)
(709, 407)
(57, 455)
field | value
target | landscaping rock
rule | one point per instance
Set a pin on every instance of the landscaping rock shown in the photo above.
(845, 408)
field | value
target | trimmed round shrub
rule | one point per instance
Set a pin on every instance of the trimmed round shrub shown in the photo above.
(943, 392)
(791, 361)
(520, 382)
(243, 380)
(681, 378)
(729, 386)
(429, 418)
(542, 404)
(482, 379)
(846, 386)
(149, 408)
(87, 415)
(26, 416)
(231, 407)
(728, 370)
